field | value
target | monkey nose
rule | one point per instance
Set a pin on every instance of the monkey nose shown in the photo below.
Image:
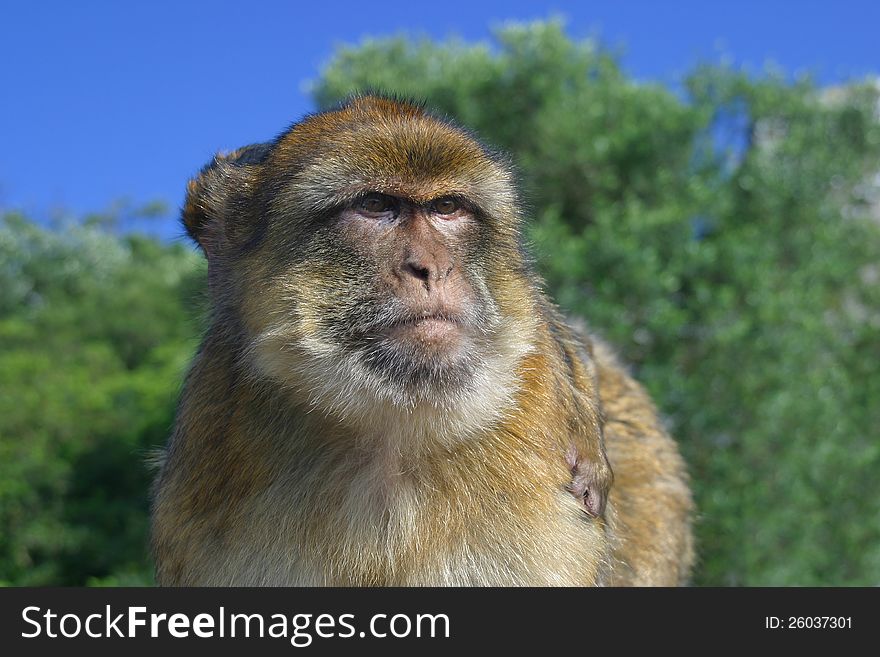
(428, 273)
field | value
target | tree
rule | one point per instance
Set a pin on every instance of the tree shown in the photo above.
(96, 332)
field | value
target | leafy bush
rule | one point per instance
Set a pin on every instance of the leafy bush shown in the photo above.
(96, 332)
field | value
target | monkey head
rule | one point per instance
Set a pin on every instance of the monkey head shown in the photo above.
(369, 260)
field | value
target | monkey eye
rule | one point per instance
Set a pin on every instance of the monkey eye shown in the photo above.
(376, 203)
(445, 205)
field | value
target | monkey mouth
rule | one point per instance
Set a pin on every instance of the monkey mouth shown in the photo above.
(427, 316)
(421, 350)
(428, 327)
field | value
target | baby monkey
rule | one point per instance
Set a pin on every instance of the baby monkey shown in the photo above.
(385, 395)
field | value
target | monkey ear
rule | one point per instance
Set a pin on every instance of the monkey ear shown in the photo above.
(217, 191)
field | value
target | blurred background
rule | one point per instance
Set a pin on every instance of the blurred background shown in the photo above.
(704, 185)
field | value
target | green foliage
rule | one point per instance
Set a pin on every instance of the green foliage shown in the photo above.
(720, 237)
(96, 331)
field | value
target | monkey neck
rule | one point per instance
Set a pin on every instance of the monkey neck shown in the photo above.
(514, 411)
(248, 448)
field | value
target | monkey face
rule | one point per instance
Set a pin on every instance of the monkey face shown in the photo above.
(385, 297)
(428, 316)
(375, 257)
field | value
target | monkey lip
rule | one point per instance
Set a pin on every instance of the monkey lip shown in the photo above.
(428, 327)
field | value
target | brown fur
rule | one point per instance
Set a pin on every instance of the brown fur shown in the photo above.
(292, 464)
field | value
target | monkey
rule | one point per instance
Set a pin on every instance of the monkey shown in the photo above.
(386, 396)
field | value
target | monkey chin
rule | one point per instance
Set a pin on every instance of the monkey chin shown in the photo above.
(411, 388)
(425, 360)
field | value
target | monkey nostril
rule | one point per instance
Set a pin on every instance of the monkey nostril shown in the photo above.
(418, 271)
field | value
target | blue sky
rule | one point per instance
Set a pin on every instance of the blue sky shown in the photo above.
(103, 100)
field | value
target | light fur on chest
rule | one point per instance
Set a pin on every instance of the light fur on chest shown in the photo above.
(374, 521)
